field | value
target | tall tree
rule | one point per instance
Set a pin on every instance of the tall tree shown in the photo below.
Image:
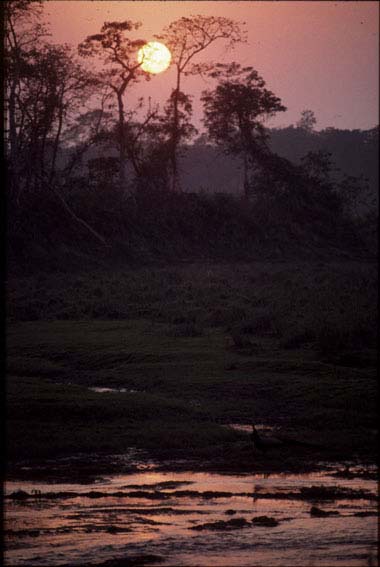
(307, 121)
(51, 89)
(45, 89)
(118, 53)
(234, 114)
(23, 34)
(187, 38)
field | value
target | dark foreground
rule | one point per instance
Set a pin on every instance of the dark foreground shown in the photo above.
(162, 359)
(159, 372)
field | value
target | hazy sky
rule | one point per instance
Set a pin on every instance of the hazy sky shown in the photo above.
(318, 55)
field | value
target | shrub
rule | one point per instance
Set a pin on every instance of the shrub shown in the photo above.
(240, 340)
(188, 329)
(335, 339)
(298, 339)
(264, 323)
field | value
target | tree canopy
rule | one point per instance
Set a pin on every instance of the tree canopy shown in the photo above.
(186, 38)
(235, 110)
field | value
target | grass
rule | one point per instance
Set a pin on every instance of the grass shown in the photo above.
(199, 346)
(278, 297)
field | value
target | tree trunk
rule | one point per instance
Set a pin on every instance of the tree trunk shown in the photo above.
(56, 143)
(175, 183)
(12, 138)
(122, 152)
(246, 183)
(79, 220)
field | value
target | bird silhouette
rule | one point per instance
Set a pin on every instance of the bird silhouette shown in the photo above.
(269, 443)
(263, 444)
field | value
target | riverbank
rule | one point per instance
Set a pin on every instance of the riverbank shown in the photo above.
(194, 349)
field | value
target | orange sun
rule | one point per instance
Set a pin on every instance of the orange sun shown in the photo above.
(154, 57)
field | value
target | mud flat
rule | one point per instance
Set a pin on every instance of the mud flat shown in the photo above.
(193, 519)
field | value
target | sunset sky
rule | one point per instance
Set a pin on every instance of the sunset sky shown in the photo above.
(322, 56)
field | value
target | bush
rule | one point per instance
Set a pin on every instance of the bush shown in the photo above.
(188, 329)
(298, 339)
(334, 339)
(240, 340)
(264, 323)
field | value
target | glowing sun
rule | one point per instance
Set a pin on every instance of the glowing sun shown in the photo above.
(154, 57)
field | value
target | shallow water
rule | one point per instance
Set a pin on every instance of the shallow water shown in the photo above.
(100, 390)
(82, 530)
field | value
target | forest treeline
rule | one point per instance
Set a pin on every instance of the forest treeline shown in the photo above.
(89, 176)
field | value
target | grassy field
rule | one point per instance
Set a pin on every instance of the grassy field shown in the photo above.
(195, 346)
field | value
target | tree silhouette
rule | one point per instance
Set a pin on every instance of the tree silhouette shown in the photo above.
(234, 113)
(46, 88)
(118, 53)
(186, 38)
(23, 34)
(307, 121)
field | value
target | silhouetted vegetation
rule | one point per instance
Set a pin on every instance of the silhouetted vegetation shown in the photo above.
(121, 204)
(186, 38)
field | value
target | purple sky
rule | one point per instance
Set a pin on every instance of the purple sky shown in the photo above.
(318, 55)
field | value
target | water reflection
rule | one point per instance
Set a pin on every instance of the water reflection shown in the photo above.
(155, 511)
